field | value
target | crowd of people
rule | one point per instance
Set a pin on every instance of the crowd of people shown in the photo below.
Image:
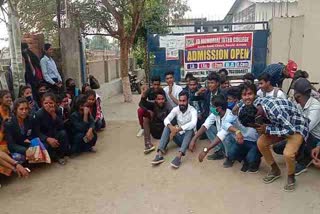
(60, 117)
(243, 123)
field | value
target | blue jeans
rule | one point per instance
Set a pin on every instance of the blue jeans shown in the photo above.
(182, 141)
(247, 151)
(211, 134)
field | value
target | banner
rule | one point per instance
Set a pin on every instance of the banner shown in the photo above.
(212, 52)
(172, 44)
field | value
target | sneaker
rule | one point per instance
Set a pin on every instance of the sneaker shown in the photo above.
(245, 167)
(176, 162)
(149, 149)
(300, 169)
(253, 169)
(219, 155)
(140, 133)
(61, 161)
(228, 163)
(157, 160)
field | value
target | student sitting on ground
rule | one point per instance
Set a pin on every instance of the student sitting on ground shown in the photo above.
(71, 88)
(86, 87)
(84, 137)
(224, 83)
(213, 88)
(149, 94)
(311, 110)
(26, 92)
(94, 104)
(9, 164)
(64, 107)
(51, 130)
(187, 79)
(276, 120)
(218, 116)
(5, 114)
(181, 134)
(172, 89)
(267, 90)
(248, 77)
(20, 129)
(42, 89)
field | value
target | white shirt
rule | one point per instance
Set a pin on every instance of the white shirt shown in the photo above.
(49, 70)
(186, 121)
(312, 111)
(176, 89)
(280, 94)
(222, 124)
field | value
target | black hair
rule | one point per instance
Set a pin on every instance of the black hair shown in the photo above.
(42, 84)
(193, 79)
(22, 89)
(184, 93)
(234, 92)
(189, 75)
(60, 97)
(68, 81)
(248, 76)
(90, 93)
(84, 88)
(24, 45)
(80, 101)
(214, 76)
(156, 79)
(4, 93)
(52, 96)
(18, 102)
(169, 73)
(265, 77)
(300, 74)
(223, 79)
(245, 86)
(247, 115)
(223, 70)
(160, 92)
(47, 46)
(220, 101)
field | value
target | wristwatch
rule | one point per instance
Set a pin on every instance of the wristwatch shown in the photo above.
(205, 149)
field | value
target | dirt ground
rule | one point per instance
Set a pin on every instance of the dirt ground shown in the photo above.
(119, 179)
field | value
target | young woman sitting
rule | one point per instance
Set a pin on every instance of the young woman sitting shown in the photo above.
(5, 114)
(8, 163)
(20, 130)
(84, 137)
(94, 104)
(26, 92)
(51, 130)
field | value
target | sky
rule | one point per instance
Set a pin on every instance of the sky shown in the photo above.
(211, 9)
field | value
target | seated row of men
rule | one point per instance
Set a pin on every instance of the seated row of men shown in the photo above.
(241, 123)
(65, 124)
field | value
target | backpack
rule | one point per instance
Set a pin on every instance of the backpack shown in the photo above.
(94, 83)
(275, 92)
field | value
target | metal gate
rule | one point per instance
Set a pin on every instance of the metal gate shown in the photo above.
(158, 63)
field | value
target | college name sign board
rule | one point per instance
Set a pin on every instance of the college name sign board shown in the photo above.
(232, 51)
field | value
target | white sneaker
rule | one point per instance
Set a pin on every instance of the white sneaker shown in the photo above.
(140, 132)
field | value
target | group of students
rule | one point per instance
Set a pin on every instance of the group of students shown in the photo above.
(242, 123)
(64, 119)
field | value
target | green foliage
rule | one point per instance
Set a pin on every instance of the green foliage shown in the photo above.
(99, 43)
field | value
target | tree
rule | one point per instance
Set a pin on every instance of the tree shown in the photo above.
(100, 43)
(11, 18)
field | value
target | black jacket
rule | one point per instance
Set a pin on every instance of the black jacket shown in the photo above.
(159, 113)
(46, 126)
(78, 125)
(15, 136)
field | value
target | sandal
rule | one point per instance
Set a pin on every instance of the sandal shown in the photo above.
(149, 149)
(289, 187)
(270, 178)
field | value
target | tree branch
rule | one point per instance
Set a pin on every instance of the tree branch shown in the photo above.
(136, 19)
(112, 32)
(114, 12)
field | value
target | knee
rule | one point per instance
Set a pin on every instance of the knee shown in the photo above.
(140, 111)
(289, 154)
(262, 144)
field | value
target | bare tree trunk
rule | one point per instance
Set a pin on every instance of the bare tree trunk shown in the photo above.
(124, 61)
(145, 60)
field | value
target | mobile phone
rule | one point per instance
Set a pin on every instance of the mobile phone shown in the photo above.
(85, 139)
(28, 170)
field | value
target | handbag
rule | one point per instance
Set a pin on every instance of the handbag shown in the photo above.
(37, 152)
(94, 83)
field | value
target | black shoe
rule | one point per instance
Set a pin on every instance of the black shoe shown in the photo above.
(245, 167)
(219, 155)
(300, 169)
(228, 163)
(157, 160)
(254, 167)
(176, 162)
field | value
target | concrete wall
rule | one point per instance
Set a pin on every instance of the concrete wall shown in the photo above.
(110, 89)
(311, 40)
(266, 11)
(286, 40)
(70, 54)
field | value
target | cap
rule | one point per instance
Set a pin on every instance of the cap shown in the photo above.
(302, 85)
(291, 68)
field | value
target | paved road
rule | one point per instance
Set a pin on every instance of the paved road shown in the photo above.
(119, 180)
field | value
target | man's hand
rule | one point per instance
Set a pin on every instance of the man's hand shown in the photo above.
(261, 129)
(192, 145)
(201, 90)
(202, 155)
(239, 138)
(54, 143)
(173, 132)
(58, 84)
(315, 153)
